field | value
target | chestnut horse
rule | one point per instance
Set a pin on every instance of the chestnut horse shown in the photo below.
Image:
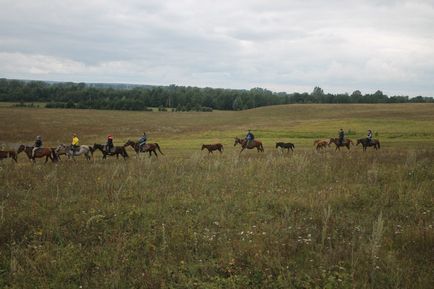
(320, 144)
(8, 154)
(254, 144)
(48, 153)
(345, 143)
(213, 147)
(147, 148)
(365, 143)
(116, 151)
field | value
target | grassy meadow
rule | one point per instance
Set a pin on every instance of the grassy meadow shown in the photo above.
(192, 220)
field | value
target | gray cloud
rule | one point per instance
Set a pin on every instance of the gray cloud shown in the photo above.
(280, 45)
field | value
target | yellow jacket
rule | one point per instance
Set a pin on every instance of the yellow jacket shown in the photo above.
(75, 141)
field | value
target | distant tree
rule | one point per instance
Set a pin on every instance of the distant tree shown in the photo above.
(237, 104)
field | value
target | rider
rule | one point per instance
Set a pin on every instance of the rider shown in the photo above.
(142, 141)
(341, 136)
(109, 144)
(38, 145)
(369, 136)
(249, 138)
(75, 143)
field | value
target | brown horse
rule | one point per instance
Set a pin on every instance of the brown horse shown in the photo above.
(116, 151)
(254, 144)
(147, 148)
(48, 153)
(8, 154)
(213, 147)
(365, 143)
(345, 143)
(320, 144)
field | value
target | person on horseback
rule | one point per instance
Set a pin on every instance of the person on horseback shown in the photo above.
(37, 146)
(142, 141)
(109, 144)
(249, 138)
(341, 136)
(75, 143)
(369, 136)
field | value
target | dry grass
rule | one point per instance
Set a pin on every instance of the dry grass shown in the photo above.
(189, 220)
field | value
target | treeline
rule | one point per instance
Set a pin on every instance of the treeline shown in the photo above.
(181, 98)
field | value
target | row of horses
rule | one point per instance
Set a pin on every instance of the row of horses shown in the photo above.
(365, 142)
(54, 154)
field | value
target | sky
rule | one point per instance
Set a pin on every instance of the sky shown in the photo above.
(290, 46)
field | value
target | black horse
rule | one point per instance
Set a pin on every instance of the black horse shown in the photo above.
(287, 145)
(115, 151)
(366, 143)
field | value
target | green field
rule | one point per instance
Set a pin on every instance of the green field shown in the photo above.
(192, 220)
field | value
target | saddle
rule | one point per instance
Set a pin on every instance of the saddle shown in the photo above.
(106, 148)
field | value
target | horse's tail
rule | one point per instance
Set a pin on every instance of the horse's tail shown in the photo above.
(222, 147)
(262, 147)
(378, 143)
(124, 151)
(158, 147)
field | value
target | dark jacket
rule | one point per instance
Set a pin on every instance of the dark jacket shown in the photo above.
(250, 136)
(38, 143)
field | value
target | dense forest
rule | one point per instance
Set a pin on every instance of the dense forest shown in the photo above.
(180, 98)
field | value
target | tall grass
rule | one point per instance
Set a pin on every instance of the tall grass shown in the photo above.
(301, 220)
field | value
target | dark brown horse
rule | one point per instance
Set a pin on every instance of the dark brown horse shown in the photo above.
(254, 144)
(147, 148)
(8, 154)
(213, 147)
(283, 145)
(345, 143)
(366, 143)
(116, 151)
(48, 153)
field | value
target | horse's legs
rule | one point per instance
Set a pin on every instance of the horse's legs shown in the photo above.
(243, 148)
(155, 153)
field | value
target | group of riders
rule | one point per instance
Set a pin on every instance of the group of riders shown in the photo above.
(342, 137)
(75, 144)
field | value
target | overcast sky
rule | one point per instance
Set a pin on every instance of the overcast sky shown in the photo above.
(287, 46)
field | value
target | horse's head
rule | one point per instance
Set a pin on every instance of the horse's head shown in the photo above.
(332, 140)
(59, 147)
(203, 147)
(358, 141)
(129, 143)
(237, 141)
(21, 148)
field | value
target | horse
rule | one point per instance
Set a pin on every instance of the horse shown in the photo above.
(117, 150)
(213, 147)
(320, 144)
(149, 148)
(8, 154)
(289, 146)
(67, 150)
(365, 143)
(345, 143)
(254, 144)
(48, 153)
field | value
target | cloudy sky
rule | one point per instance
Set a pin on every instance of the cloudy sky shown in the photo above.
(339, 45)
